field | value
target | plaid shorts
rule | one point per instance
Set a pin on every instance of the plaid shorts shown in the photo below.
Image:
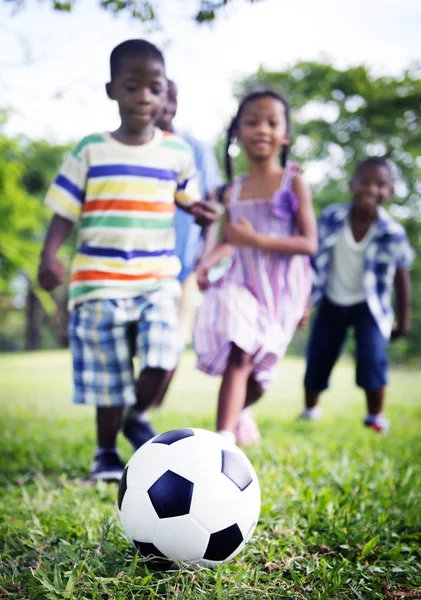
(105, 336)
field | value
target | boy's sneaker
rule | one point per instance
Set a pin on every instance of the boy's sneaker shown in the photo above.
(311, 414)
(106, 466)
(378, 423)
(138, 432)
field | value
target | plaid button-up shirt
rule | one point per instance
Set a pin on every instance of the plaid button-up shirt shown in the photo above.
(387, 251)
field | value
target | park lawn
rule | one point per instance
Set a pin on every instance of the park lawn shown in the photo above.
(341, 505)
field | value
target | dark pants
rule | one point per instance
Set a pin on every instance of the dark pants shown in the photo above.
(327, 338)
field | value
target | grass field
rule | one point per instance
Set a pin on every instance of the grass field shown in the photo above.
(341, 505)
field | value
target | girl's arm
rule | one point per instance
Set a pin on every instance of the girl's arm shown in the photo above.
(243, 234)
(221, 251)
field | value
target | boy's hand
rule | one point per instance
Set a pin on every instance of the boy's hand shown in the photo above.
(206, 212)
(398, 332)
(51, 273)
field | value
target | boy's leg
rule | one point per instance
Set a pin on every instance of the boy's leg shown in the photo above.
(186, 316)
(372, 365)
(326, 340)
(108, 422)
(158, 348)
(103, 376)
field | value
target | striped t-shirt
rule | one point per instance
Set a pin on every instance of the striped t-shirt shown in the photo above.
(123, 198)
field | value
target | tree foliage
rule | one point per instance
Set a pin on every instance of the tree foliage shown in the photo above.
(205, 11)
(342, 116)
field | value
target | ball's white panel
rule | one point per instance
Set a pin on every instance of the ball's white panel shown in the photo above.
(181, 538)
(146, 465)
(249, 509)
(215, 503)
(138, 516)
(197, 456)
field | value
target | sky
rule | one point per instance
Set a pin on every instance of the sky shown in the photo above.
(53, 66)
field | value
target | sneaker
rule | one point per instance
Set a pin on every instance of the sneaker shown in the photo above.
(378, 423)
(106, 466)
(246, 431)
(138, 432)
(311, 414)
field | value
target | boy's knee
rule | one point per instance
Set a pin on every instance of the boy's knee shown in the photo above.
(240, 359)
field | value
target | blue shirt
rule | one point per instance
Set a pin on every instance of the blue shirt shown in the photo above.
(387, 251)
(188, 235)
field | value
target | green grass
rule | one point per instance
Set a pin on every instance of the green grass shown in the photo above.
(341, 506)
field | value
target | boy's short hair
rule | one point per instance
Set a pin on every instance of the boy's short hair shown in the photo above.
(130, 48)
(372, 161)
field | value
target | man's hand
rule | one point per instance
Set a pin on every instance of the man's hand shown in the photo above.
(206, 212)
(241, 233)
(51, 273)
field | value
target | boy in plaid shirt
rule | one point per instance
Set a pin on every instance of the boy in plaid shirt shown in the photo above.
(363, 255)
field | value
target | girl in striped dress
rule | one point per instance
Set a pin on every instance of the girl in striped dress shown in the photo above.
(249, 315)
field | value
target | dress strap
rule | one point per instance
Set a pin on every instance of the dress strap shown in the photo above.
(291, 169)
(236, 189)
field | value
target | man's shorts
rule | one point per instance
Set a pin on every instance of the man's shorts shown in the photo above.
(327, 337)
(105, 336)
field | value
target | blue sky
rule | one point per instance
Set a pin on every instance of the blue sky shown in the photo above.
(53, 66)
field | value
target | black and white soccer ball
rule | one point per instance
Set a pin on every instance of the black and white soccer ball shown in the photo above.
(191, 496)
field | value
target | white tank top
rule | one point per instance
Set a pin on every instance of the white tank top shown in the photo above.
(345, 279)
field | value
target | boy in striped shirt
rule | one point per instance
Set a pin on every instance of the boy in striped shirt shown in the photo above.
(121, 189)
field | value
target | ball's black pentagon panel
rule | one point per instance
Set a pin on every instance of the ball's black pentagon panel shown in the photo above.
(223, 543)
(171, 495)
(169, 437)
(147, 549)
(236, 469)
(122, 488)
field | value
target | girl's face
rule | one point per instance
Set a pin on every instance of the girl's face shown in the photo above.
(262, 128)
(371, 186)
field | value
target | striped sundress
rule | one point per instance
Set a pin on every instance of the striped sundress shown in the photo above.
(259, 301)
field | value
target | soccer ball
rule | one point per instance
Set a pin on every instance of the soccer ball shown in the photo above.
(191, 496)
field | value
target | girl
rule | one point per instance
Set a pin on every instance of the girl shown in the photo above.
(249, 315)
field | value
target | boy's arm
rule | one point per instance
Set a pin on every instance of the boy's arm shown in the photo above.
(402, 286)
(204, 211)
(51, 271)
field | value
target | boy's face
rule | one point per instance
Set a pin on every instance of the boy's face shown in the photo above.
(140, 89)
(371, 186)
(169, 110)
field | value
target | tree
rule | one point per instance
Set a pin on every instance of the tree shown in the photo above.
(340, 117)
(144, 10)
(26, 169)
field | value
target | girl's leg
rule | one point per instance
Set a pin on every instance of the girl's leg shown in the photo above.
(233, 390)
(246, 430)
(254, 391)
